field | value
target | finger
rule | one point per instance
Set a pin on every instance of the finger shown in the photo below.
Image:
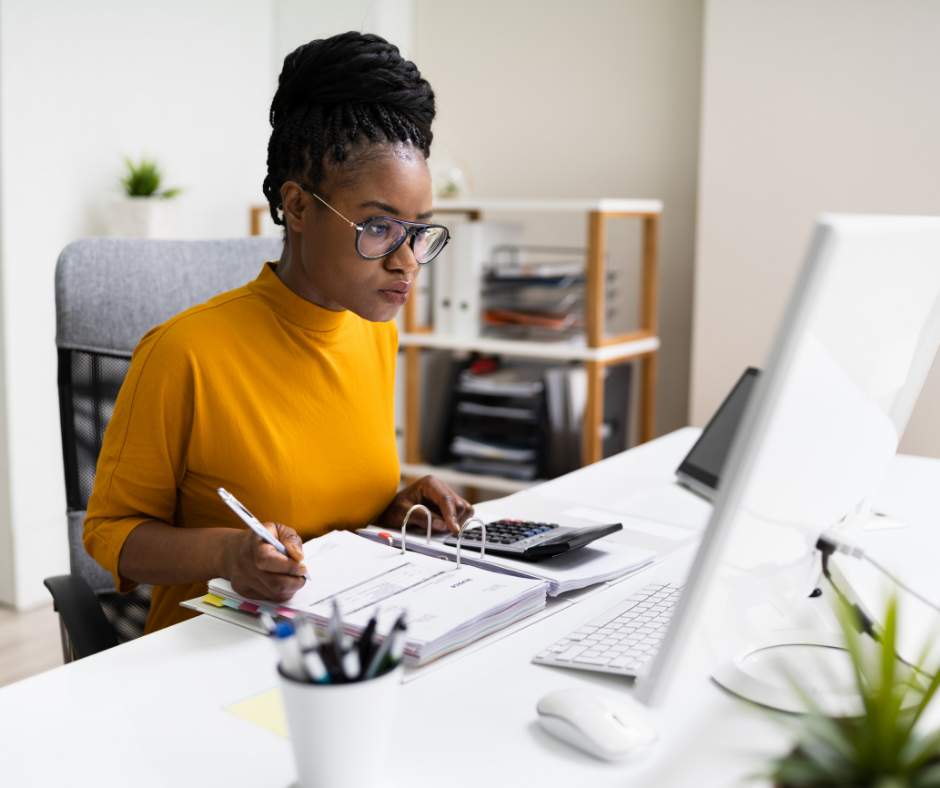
(438, 524)
(441, 494)
(271, 559)
(278, 587)
(291, 541)
(268, 559)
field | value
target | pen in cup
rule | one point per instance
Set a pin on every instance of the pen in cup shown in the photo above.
(383, 652)
(252, 522)
(289, 650)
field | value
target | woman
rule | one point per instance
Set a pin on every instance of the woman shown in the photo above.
(282, 391)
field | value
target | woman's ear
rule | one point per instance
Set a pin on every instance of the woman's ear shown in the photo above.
(295, 205)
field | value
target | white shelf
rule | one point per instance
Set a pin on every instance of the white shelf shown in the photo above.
(452, 477)
(603, 205)
(528, 349)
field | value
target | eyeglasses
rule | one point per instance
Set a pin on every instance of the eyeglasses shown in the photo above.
(382, 235)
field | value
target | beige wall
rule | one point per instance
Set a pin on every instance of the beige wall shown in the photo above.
(587, 99)
(807, 106)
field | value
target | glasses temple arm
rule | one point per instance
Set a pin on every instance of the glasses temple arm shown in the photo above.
(351, 224)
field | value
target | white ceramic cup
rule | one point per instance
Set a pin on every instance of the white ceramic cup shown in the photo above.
(340, 732)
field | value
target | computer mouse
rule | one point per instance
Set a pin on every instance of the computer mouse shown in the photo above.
(598, 724)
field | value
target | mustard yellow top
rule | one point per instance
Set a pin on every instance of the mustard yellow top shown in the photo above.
(288, 406)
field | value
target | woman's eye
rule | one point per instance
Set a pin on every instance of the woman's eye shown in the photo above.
(378, 229)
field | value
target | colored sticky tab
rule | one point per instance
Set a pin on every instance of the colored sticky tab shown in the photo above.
(285, 612)
(212, 599)
(248, 607)
(265, 709)
(231, 602)
(271, 610)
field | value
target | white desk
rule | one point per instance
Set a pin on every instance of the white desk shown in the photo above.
(150, 713)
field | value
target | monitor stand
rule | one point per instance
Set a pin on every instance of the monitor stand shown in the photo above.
(817, 662)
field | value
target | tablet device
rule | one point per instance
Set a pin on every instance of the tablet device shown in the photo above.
(701, 468)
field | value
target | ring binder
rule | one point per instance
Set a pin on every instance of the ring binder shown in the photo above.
(463, 528)
(404, 525)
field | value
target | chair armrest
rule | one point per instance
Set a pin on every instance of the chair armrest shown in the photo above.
(84, 620)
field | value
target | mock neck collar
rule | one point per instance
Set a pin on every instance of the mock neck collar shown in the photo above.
(290, 306)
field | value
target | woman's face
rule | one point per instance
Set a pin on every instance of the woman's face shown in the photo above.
(322, 263)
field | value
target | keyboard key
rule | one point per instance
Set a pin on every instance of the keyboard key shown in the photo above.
(543, 654)
(592, 660)
(586, 630)
(558, 648)
(594, 652)
(570, 654)
(620, 662)
(609, 642)
(576, 637)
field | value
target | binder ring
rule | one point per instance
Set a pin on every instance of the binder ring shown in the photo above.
(464, 527)
(404, 525)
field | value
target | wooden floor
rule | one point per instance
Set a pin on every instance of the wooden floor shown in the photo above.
(29, 643)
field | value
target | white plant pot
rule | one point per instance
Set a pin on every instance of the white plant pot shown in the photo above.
(143, 217)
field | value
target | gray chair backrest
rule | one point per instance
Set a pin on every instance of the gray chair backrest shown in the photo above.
(109, 292)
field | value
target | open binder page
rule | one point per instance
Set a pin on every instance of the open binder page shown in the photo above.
(595, 563)
(447, 607)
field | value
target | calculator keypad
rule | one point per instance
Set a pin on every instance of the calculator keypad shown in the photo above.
(509, 531)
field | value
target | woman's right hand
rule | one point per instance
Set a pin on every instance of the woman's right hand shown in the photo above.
(258, 571)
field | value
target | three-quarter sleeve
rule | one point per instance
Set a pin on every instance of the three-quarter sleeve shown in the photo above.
(143, 456)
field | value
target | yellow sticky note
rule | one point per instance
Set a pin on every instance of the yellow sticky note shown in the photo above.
(212, 599)
(265, 709)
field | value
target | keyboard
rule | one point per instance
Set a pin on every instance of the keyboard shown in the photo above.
(622, 640)
(530, 540)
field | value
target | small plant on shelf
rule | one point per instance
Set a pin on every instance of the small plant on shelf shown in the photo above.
(885, 746)
(143, 179)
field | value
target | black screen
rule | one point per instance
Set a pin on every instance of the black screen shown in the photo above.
(708, 455)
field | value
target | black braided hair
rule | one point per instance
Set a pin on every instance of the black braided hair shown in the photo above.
(337, 93)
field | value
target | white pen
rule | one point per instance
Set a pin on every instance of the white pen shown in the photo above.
(252, 522)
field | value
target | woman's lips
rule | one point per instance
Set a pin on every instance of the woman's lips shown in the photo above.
(397, 292)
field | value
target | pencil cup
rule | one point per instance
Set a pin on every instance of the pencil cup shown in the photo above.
(340, 732)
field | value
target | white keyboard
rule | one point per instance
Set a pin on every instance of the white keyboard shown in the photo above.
(621, 640)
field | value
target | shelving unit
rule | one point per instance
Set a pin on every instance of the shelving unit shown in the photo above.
(599, 350)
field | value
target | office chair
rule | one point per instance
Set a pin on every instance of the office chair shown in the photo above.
(109, 292)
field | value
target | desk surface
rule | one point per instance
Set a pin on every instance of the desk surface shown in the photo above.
(150, 713)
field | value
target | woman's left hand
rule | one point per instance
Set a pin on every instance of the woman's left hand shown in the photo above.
(448, 510)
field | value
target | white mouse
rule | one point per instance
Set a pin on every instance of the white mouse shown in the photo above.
(597, 724)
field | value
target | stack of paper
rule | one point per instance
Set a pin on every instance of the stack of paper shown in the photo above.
(446, 607)
(595, 563)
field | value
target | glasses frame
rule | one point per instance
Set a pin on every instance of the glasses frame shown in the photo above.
(411, 231)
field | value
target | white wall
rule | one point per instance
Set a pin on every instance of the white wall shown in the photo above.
(300, 21)
(82, 84)
(591, 99)
(808, 106)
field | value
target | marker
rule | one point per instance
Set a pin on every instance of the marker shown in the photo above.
(397, 650)
(252, 522)
(366, 642)
(289, 649)
(314, 667)
(383, 650)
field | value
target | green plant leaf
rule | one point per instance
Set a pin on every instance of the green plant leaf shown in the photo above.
(169, 194)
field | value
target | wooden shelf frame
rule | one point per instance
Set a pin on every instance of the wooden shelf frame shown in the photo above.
(601, 349)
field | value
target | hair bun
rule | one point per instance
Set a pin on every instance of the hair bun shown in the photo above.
(334, 90)
(351, 68)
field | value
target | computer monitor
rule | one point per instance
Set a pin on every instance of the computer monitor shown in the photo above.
(851, 354)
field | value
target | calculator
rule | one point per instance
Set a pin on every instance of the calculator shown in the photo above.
(529, 540)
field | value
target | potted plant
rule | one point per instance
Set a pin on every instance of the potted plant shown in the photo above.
(885, 746)
(145, 211)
